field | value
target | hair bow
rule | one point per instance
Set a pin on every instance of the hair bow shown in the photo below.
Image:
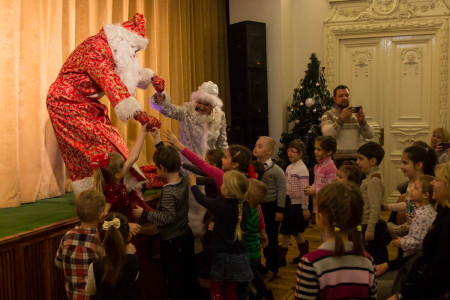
(114, 223)
(99, 160)
(251, 172)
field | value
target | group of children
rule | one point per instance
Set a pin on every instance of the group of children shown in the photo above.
(246, 201)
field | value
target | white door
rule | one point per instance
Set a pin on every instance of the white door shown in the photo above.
(392, 78)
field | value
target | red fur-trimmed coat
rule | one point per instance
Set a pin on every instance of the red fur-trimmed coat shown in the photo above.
(81, 123)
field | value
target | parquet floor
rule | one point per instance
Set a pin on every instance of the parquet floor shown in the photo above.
(283, 286)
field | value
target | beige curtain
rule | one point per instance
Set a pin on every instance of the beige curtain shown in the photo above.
(187, 46)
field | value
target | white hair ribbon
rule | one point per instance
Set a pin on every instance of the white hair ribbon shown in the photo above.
(115, 223)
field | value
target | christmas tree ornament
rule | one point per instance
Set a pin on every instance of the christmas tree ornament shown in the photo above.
(324, 107)
(317, 84)
(314, 110)
(282, 140)
(280, 154)
(289, 120)
(310, 131)
(292, 109)
(309, 102)
(301, 103)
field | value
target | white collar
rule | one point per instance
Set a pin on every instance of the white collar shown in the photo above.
(268, 163)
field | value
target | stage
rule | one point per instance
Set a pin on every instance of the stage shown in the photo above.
(30, 235)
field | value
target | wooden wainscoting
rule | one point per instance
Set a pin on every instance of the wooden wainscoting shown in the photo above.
(27, 268)
(28, 271)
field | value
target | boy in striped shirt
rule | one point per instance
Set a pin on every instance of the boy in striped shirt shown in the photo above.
(171, 217)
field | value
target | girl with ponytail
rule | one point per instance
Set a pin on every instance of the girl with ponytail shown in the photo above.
(340, 264)
(113, 275)
(231, 263)
(109, 174)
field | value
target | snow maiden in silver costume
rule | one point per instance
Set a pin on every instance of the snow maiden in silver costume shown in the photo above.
(199, 131)
(202, 127)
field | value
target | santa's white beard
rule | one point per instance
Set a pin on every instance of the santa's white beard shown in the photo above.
(127, 66)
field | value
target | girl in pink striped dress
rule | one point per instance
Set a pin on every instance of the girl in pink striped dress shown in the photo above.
(338, 269)
(325, 170)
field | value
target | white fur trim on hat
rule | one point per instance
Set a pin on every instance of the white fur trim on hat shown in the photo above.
(126, 108)
(115, 32)
(145, 78)
(82, 185)
(131, 182)
(208, 92)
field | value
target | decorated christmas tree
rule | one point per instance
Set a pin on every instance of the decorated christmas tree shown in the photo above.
(310, 100)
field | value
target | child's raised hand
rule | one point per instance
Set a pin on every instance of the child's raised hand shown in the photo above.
(192, 179)
(147, 127)
(155, 133)
(134, 228)
(172, 139)
(137, 212)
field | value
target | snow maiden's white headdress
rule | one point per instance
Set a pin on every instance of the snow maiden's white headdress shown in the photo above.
(208, 92)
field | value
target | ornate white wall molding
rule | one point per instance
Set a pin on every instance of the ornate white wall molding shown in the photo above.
(411, 60)
(361, 61)
(370, 10)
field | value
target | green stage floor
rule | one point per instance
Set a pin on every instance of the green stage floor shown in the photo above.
(43, 212)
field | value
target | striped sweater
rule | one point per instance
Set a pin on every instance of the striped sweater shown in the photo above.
(323, 276)
(171, 214)
(252, 234)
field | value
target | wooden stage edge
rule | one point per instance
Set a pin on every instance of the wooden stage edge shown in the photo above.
(28, 271)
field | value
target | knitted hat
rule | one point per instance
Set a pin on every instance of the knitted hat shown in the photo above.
(132, 31)
(208, 92)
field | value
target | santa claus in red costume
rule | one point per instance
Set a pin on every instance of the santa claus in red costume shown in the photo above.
(105, 63)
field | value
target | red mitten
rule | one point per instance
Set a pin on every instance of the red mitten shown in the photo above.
(143, 118)
(158, 83)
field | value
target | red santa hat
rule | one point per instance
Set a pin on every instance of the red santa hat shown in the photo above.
(132, 31)
(208, 92)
